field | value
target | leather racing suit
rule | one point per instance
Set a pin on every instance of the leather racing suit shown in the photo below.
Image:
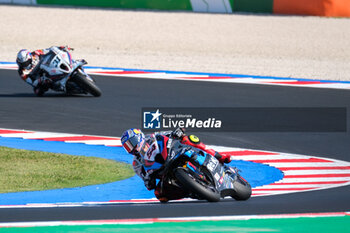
(33, 76)
(153, 155)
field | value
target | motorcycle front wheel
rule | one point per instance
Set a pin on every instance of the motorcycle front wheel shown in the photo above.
(189, 182)
(83, 82)
(243, 190)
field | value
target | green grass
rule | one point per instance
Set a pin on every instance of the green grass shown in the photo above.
(22, 170)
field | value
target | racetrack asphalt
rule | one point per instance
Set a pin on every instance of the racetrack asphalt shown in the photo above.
(119, 108)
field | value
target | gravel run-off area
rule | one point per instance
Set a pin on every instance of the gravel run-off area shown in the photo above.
(285, 46)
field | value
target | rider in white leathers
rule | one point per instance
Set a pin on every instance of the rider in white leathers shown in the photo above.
(27, 62)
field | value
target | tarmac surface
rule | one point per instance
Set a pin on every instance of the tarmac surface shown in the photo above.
(119, 108)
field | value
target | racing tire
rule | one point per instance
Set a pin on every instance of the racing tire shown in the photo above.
(189, 183)
(243, 190)
(86, 84)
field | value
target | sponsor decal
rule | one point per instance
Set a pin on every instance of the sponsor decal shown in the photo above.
(170, 141)
(212, 164)
(217, 176)
(221, 180)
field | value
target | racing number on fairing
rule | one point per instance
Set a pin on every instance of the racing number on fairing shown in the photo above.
(151, 150)
(56, 61)
(212, 164)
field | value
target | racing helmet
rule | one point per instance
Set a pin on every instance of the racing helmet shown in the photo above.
(24, 59)
(132, 140)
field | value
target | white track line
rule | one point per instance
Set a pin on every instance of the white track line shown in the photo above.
(186, 76)
(168, 220)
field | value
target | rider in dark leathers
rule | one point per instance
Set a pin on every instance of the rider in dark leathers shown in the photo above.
(150, 151)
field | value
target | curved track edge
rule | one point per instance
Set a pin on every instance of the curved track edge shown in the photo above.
(300, 173)
(206, 77)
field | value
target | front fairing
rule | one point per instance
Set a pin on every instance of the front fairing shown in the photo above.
(57, 62)
(223, 176)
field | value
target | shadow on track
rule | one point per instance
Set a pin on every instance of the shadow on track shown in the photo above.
(48, 95)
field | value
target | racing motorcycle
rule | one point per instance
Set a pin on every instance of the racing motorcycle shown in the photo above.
(67, 75)
(201, 175)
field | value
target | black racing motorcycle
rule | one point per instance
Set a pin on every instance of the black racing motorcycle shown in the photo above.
(201, 175)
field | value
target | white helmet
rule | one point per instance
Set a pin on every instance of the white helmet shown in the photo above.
(24, 59)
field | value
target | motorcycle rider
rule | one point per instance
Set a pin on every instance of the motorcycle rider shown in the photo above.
(150, 152)
(27, 62)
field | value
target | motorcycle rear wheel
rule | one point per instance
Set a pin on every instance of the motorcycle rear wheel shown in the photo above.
(86, 84)
(211, 195)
